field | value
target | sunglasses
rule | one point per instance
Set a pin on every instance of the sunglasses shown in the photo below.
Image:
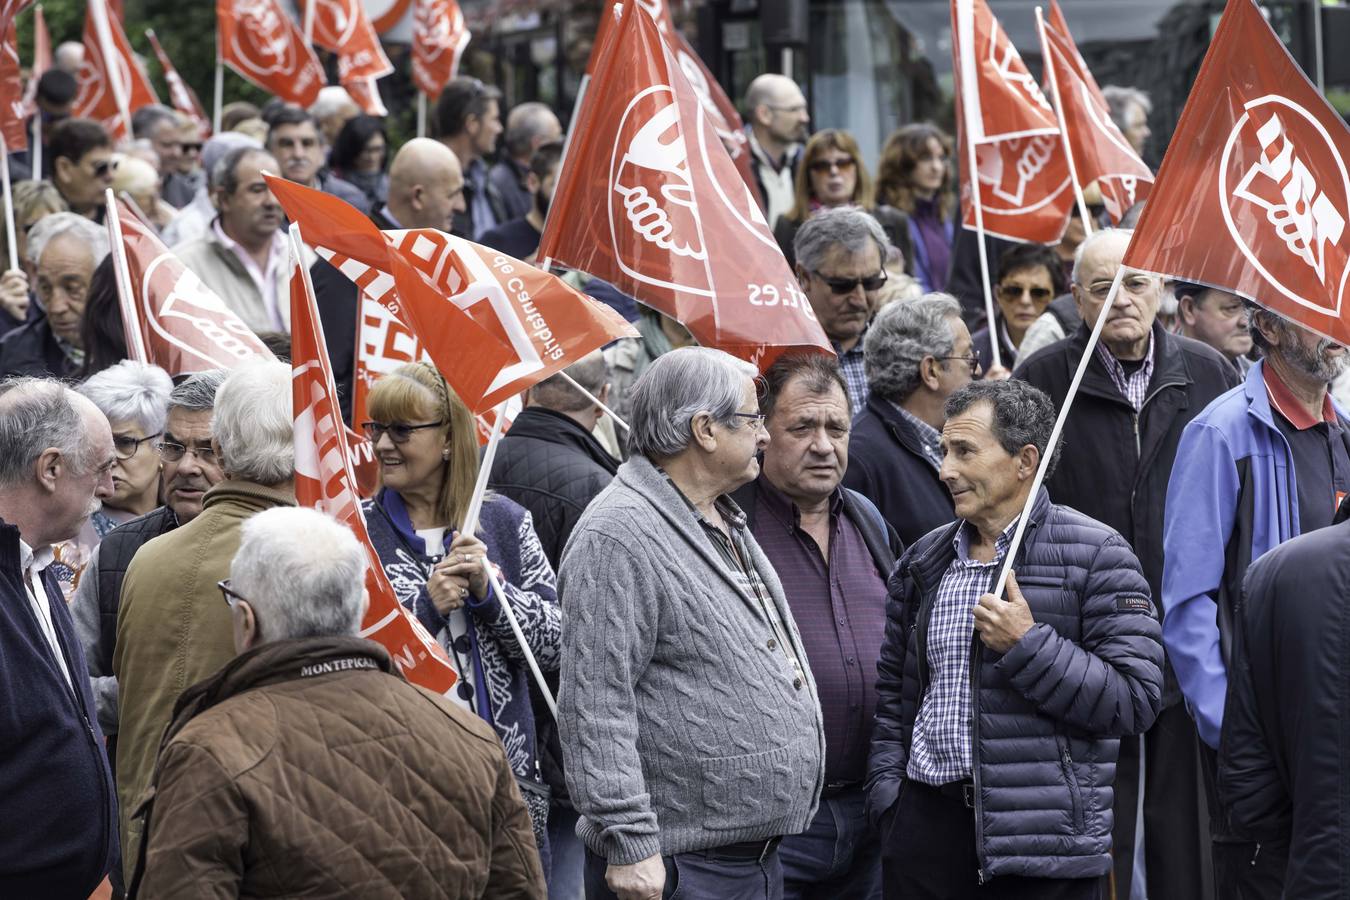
(821, 166)
(399, 432)
(103, 167)
(849, 285)
(191, 148)
(126, 446)
(1014, 292)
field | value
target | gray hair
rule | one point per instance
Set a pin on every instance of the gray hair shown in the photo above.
(1020, 414)
(37, 414)
(901, 336)
(591, 372)
(331, 100)
(253, 423)
(224, 176)
(198, 392)
(95, 237)
(131, 392)
(845, 227)
(302, 572)
(1119, 99)
(678, 386)
(146, 119)
(1091, 240)
(525, 123)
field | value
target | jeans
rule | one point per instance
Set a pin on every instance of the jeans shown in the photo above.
(701, 875)
(838, 857)
(568, 857)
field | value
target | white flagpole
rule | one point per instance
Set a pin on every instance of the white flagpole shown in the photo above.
(1064, 408)
(596, 400)
(533, 663)
(969, 93)
(309, 22)
(10, 238)
(131, 320)
(37, 147)
(1063, 125)
(470, 523)
(99, 9)
(421, 114)
(218, 97)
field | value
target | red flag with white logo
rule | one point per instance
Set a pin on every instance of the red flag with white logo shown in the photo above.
(262, 44)
(1100, 151)
(439, 39)
(112, 83)
(12, 111)
(1253, 195)
(1024, 185)
(183, 97)
(42, 60)
(324, 480)
(343, 27)
(649, 200)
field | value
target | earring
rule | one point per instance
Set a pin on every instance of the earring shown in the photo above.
(445, 454)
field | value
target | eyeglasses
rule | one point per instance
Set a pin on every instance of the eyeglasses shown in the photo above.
(821, 166)
(231, 596)
(972, 361)
(1014, 292)
(104, 167)
(849, 285)
(798, 108)
(170, 451)
(126, 446)
(191, 148)
(1133, 284)
(755, 420)
(399, 432)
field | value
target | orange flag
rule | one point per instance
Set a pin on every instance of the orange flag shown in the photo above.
(649, 200)
(258, 40)
(112, 83)
(183, 97)
(42, 60)
(1253, 195)
(324, 481)
(439, 39)
(1024, 186)
(343, 27)
(468, 355)
(1100, 151)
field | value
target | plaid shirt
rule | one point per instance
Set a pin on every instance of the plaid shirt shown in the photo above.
(940, 750)
(930, 439)
(1133, 388)
(855, 376)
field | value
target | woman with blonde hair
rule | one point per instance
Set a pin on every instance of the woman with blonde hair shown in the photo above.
(915, 177)
(426, 444)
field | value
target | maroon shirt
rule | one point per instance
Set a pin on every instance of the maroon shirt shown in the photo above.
(840, 610)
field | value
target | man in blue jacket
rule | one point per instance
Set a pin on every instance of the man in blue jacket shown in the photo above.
(1004, 785)
(59, 835)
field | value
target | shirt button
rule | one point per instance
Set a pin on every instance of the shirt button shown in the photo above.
(773, 644)
(797, 683)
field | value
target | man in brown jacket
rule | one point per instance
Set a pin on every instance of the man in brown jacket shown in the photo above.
(309, 767)
(172, 629)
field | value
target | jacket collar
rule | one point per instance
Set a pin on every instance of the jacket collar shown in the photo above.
(254, 496)
(556, 428)
(896, 424)
(933, 560)
(1169, 362)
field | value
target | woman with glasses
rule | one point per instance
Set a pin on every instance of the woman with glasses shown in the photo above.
(360, 153)
(915, 177)
(1029, 277)
(426, 444)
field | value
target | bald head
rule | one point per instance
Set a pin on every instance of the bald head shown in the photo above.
(426, 185)
(777, 110)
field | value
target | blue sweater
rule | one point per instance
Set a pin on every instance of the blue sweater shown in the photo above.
(1233, 442)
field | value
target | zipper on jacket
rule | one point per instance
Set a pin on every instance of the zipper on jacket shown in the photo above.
(975, 655)
(1071, 779)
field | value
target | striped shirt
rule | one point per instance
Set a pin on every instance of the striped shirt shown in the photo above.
(930, 439)
(1134, 386)
(940, 750)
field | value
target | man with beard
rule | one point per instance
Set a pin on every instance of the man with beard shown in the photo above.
(520, 237)
(1265, 462)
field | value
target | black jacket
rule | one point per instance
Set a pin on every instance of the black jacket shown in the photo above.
(1283, 746)
(983, 346)
(31, 349)
(553, 467)
(887, 466)
(59, 832)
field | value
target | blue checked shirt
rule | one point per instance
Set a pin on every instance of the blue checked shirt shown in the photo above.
(1133, 388)
(851, 367)
(930, 439)
(940, 750)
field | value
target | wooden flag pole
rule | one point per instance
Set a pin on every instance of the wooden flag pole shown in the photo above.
(131, 320)
(1063, 126)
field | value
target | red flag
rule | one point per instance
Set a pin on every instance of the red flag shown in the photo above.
(42, 60)
(185, 326)
(439, 39)
(1253, 195)
(183, 97)
(468, 355)
(649, 199)
(1100, 151)
(324, 481)
(343, 27)
(257, 40)
(1025, 190)
(12, 113)
(112, 83)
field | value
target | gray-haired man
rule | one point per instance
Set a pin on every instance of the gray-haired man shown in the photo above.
(690, 724)
(839, 264)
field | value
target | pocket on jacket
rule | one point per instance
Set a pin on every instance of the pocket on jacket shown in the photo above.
(753, 789)
(1071, 780)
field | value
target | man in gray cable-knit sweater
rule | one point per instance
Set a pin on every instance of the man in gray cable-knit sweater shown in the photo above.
(690, 724)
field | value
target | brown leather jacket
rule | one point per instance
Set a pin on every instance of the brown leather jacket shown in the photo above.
(310, 768)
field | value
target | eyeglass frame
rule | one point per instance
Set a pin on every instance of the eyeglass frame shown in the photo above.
(972, 361)
(384, 428)
(1096, 293)
(853, 283)
(135, 441)
(199, 452)
(757, 419)
(1022, 289)
(825, 166)
(227, 592)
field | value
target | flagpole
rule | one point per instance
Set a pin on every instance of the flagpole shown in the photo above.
(131, 320)
(37, 147)
(596, 400)
(421, 114)
(104, 28)
(1063, 126)
(970, 91)
(1064, 408)
(219, 94)
(309, 22)
(10, 238)
(470, 523)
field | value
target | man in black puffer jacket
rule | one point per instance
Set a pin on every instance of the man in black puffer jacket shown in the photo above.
(1007, 782)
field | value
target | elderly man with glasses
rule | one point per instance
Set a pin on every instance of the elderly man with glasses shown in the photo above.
(778, 123)
(1142, 386)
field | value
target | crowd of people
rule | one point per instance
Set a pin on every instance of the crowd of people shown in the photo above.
(765, 604)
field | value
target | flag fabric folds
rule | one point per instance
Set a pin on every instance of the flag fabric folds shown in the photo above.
(42, 60)
(256, 39)
(112, 83)
(655, 206)
(13, 110)
(343, 27)
(1253, 195)
(439, 39)
(181, 95)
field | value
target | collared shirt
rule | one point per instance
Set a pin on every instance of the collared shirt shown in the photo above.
(265, 279)
(1134, 385)
(855, 376)
(940, 750)
(484, 217)
(33, 563)
(389, 216)
(930, 439)
(839, 605)
(1321, 462)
